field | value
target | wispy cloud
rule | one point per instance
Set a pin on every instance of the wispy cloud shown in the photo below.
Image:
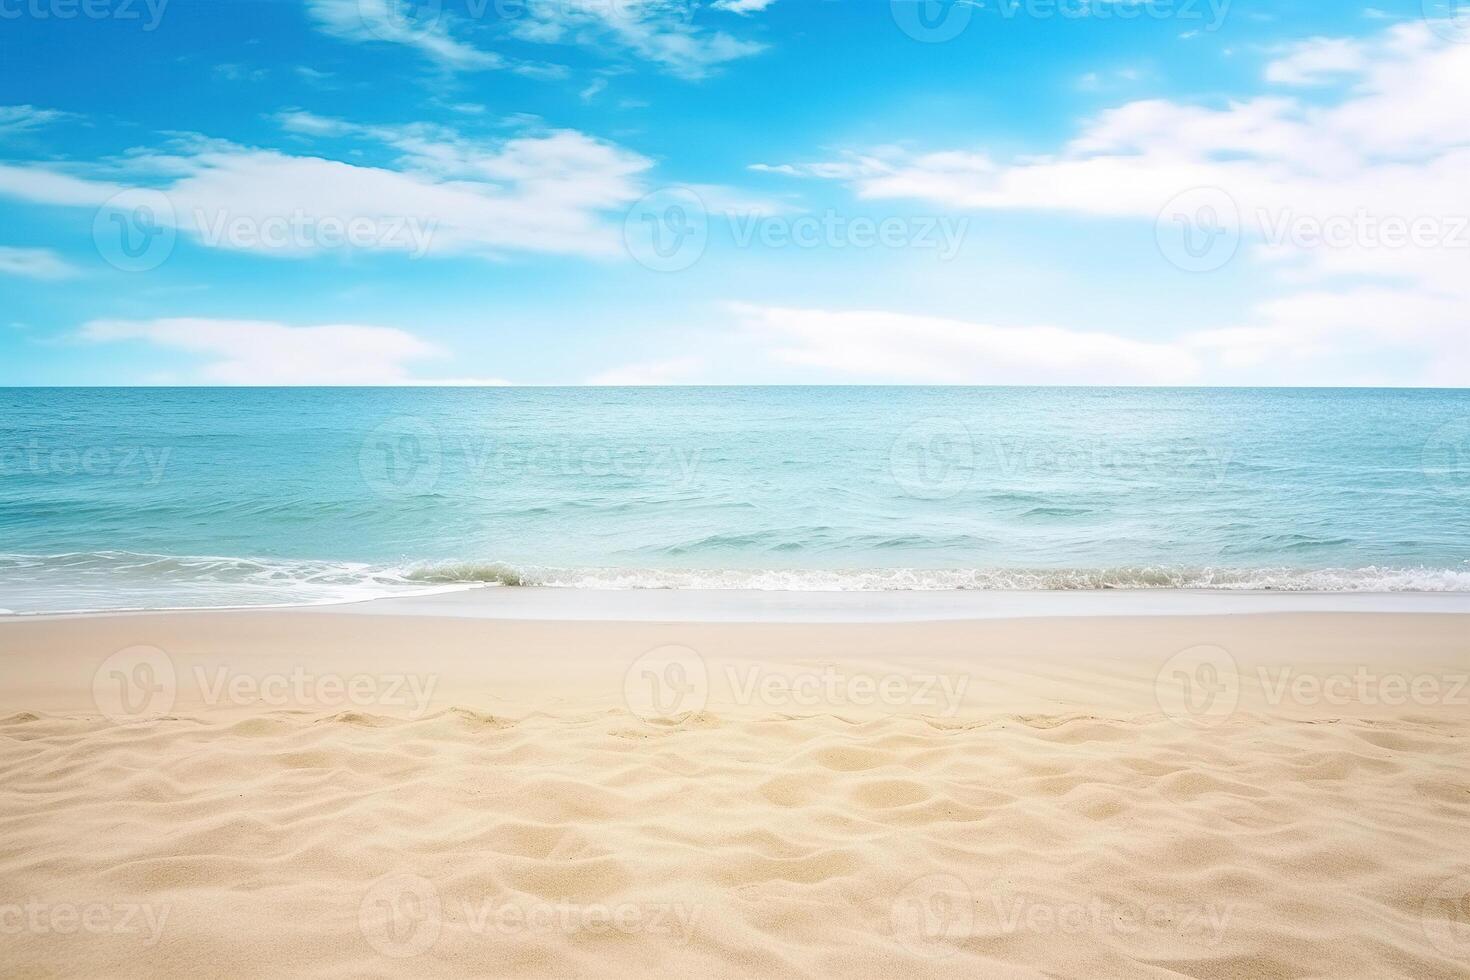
(1319, 60)
(388, 22)
(898, 347)
(23, 118)
(260, 352)
(34, 263)
(663, 32)
(556, 191)
(745, 7)
(676, 370)
(660, 31)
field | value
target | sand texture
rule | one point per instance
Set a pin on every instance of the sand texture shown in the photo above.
(1027, 798)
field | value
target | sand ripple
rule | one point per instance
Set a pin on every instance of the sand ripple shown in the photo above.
(591, 844)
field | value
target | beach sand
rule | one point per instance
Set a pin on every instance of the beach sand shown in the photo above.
(339, 794)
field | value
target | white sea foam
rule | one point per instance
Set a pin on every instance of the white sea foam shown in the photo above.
(1369, 579)
(97, 581)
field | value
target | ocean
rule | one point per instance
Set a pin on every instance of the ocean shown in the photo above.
(148, 498)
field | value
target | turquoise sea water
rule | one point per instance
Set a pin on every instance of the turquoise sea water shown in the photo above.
(181, 497)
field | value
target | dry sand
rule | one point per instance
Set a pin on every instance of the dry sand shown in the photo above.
(292, 793)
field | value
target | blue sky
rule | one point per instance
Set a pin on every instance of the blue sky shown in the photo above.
(746, 191)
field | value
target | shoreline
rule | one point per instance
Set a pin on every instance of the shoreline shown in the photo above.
(551, 603)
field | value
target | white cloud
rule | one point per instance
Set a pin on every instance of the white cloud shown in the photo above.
(1095, 81)
(678, 370)
(22, 118)
(1394, 147)
(237, 74)
(34, 263)
(552, 192)
(745, 7)
(1307, 330)
(43, 185)
(385, 21)
(315, 75)
(660, 31)
(897, 347)
(258, 352)
(1318, 60)
(785, 169)
(593, 89)
(310, 124)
